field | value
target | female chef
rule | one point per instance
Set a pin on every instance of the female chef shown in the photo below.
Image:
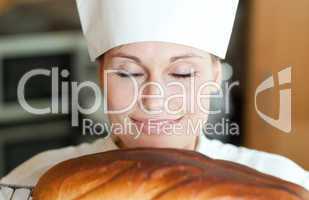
(159, 47)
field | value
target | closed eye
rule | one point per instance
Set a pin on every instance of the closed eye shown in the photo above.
(127, 74)
(188, 75)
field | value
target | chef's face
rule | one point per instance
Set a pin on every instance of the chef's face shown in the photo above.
(156, 90)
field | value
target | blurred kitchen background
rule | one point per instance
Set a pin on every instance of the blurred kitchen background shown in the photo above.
(269, 36)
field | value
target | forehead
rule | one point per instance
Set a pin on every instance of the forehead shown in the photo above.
(158, 49)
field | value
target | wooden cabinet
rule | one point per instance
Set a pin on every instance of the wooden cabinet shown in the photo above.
(278, 37)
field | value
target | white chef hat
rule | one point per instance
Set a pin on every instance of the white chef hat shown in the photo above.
(203, 24)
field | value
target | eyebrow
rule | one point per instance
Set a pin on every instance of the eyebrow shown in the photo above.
(172, 59)
(131, 57)
(184, 56)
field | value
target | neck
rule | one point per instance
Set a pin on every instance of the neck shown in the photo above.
(119, 143)
(193, 146)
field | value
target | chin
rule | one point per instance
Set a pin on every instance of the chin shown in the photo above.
(157, 142)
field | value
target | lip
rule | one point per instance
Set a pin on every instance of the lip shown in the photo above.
(153, 125)
(155, 120)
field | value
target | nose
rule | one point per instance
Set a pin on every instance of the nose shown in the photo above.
(152, 96)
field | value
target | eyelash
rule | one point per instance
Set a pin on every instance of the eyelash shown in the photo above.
(180, 76)
(127, 75)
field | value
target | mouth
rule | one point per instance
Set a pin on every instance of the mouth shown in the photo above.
(154, 125)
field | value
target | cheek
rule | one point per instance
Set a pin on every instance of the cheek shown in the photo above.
(202, 95)
(120, 93)
(189, 96)
(204, 86)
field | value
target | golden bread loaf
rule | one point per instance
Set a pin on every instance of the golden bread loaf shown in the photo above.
(159, 174)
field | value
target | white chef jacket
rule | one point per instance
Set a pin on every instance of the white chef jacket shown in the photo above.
(29, 172)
